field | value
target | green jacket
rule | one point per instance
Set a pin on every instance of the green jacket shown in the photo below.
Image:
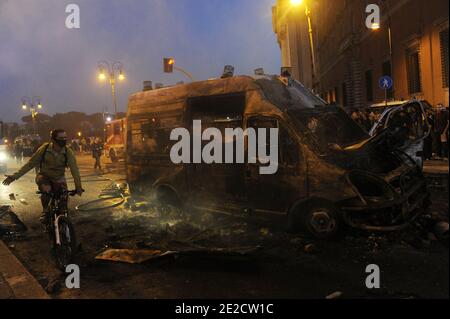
(53, 164)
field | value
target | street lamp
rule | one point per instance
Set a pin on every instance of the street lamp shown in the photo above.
(33, 105)
(297, 3)
(376, 26)
(107, 71)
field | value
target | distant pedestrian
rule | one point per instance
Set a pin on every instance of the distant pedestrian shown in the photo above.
(97, 151)
(83, 145)
(444, 142)
(18, 152)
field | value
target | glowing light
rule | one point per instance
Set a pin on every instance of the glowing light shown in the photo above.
(296, 2)
(171, 61)
(375, 26)
(102, 76)
(121, 76)
(24, 106)
(79, 134)
(108, 119)
(39, 106)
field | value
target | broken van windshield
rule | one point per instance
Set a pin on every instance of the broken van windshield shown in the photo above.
(330, 126)
(292, 95)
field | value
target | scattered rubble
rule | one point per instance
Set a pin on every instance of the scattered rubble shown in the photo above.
(138, 256)
(440, 229)
(310, 249)
(334, 295)
(10, 224)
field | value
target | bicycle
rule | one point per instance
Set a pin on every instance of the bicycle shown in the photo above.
(60, 229)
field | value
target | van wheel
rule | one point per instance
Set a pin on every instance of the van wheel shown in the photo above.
(168, 201)
(319, 219)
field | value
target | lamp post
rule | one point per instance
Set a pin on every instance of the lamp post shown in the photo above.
(375, 27)
(108, 71)
(297, 3)
(32, 105)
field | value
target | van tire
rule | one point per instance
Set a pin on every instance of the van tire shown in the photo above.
(318, 218)
(167, 196)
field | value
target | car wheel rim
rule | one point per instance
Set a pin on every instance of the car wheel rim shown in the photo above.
(322, 221)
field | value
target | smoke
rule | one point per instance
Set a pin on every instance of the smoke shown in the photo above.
(40, 56)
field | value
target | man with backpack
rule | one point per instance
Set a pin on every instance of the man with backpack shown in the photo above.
(51, 160)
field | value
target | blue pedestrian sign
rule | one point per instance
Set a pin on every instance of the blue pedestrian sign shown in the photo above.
(385, 82)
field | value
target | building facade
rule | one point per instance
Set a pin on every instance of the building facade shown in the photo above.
(411, 46)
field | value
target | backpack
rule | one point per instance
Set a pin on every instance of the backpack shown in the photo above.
(45, 151)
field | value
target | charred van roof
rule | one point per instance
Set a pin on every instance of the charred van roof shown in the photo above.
(284, 93)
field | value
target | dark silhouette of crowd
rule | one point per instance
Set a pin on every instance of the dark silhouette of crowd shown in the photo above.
(435, 144)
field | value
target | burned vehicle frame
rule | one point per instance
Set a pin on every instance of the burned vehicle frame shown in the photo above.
(330, 172)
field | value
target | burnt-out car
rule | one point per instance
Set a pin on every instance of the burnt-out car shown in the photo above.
(407, 124)
(329, 171)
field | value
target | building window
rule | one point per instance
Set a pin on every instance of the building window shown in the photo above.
(443, 36)
(369, 86)
(386, 69)
(413, 70)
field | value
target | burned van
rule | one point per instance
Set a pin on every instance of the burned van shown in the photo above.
(329, 172)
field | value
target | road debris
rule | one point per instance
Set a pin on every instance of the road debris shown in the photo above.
(138, 256)
(310, 249)
(12, 196)
(132, 256)
(9, 222)
(440, 229)
(334, 295)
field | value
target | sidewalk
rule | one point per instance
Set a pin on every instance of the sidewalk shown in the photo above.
(435, 167)
(15, 281)
(436, 172)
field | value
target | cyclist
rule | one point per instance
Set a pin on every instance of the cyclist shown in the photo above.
(51, 160)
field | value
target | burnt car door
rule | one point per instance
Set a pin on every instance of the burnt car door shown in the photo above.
(408, 127)
(275, 192)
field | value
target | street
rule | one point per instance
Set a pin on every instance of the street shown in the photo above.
(284, 266)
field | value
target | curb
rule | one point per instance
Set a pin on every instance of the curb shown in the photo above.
(15, 280)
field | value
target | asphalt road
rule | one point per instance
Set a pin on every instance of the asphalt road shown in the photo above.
(410, 267)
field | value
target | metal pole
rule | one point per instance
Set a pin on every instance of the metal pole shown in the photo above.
(390, 55)
(311, 44)
(33, 117)
(112, 81)
(189, 75)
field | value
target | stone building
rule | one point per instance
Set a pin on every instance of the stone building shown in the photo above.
(350, 58)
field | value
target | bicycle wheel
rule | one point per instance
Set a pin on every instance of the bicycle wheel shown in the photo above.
(65, 252)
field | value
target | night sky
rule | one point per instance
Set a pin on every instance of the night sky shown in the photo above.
(40, 56)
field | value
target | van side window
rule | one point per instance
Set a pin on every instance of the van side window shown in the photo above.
(151, 136)
(289, 148)
(262, 122)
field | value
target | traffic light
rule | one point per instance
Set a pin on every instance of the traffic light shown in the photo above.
(168, 65)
